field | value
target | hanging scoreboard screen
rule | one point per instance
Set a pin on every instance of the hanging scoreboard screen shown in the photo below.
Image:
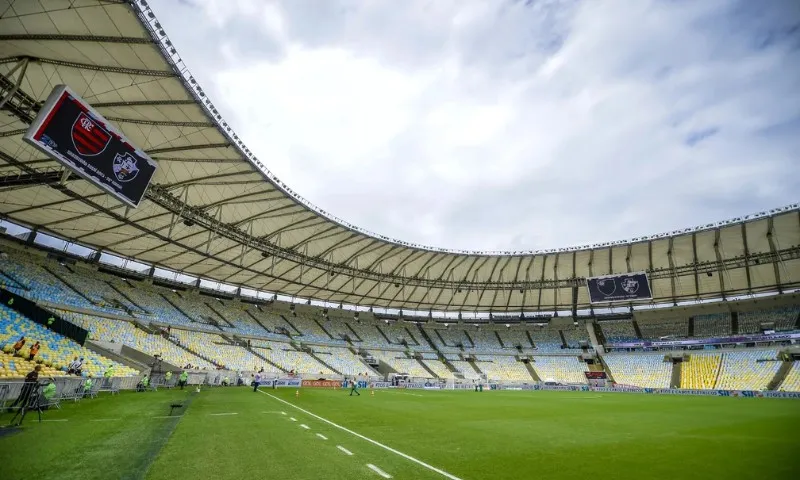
(73, 133)
(613, 288)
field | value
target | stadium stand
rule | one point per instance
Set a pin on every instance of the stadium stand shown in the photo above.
(342, 360)
(513, 337)
(574, 336)
(640, 370)
(561, 369)
(701, 370)
(792, 381)
(503, 368)
(485, 340)
(369, 334)
(667, 328)
(438, 368)
(546, 339)
(747, 369)
(783, 319)
(398, 362)
(56, 351)
(118, 331)
(618, 331)
(288, 359)
(712, 325)
(466, 370)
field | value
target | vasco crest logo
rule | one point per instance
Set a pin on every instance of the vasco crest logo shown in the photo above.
(630, 285)
(606, 286)
(124, 167)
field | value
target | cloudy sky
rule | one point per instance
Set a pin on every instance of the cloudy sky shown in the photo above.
(509, 124)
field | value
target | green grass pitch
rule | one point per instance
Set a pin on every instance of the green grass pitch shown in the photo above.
(234, 433)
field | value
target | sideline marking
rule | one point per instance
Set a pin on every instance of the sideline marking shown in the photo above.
(55, 420)
(218, 414)
(305, 426)
(104, 419)
(322, 436)
(282, 413)
(292, 419)
(378, 471)
(346, 451)
(385, 447)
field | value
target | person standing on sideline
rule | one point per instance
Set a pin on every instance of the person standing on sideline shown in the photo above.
(256, 381)
(168, 378)
(31, 383)
(354, 387)
(183, 379)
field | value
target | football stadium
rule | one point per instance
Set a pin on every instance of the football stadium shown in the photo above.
(169, 308)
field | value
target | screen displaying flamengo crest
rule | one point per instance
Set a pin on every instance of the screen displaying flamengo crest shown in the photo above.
(69, 130)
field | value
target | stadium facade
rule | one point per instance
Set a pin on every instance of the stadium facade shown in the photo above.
(214, 211)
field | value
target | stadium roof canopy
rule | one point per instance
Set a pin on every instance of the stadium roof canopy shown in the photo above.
(216, 212)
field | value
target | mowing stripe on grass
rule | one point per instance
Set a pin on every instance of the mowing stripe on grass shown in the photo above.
(378, 471)
(322, 436)
(157, 445)
(385, 447)
(346, 451)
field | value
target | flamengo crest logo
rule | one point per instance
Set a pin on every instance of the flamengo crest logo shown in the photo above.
(124, 167)
(630, 285)
(88, 137)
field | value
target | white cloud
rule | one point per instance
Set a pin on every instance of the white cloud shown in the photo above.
(510, 125)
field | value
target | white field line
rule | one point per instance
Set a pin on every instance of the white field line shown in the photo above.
(303, 425)
(346, 451)
(385, 447)
(104, 419)
(55, 420)
(221, 414)
(282, 413)
(322, 436)
(292, 419)
(378, 471)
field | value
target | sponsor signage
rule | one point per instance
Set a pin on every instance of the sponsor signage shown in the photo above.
(322, 383)
(710, 341)
(73, 133)
(288, 382)
(613, 288)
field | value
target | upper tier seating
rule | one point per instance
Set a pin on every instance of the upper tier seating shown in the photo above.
(783, 318)
(311, 331)
(342, 360)
(574, 336)
(664, 328)
(400, 363)
(288, 359)
(514, 336)
(485, 340)
(466, 369)
(56, 350)
(640, 370)
(712, 325)
(503, 368)
(368, 333)
(438, 368)
(618, 331)
(546, 339)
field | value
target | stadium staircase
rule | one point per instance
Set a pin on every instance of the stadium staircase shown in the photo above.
(383, 334)
(636, 328)
(127, 298)
(197, 354)
(500, 340)
(428, 339)
(355, 335)
(531, 371)
(221, 317)
(598, 333)
(530, 339)
(474, 366)
(262, 357)
(691, 326)
(780, 376)
(471, 341)
(563, 339)
(324, 329)
(113, 351)
(425, 367)
(735, 323)
(296, 330)
(7, 279)
(605, 368)
(179, 310)
(322, 361)
(68, 285)
(675, 381)
(258, 322)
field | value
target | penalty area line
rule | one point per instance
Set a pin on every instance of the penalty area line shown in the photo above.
(374, 442)
(378, 471)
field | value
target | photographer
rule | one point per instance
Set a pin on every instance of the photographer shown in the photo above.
(31, 382)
